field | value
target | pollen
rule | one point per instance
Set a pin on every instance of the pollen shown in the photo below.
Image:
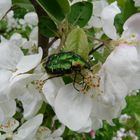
(39, 85)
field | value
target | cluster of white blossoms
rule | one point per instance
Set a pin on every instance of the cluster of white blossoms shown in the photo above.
(118, 76)
(21, 81)
(122, 134)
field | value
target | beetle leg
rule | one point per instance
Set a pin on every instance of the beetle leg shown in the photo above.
(75, 82)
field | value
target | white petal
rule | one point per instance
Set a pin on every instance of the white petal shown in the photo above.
(108, 111)
(29, 128)
(34, 34)
(95, 22)
(31, 101)
(5, 5)
(73, 108)
(9, 108)
(29, 62)
(58, 132)
(2, 117)
(18, 84)
(4, 83)
(123, 62)
(10, 55)
(9, 126)
(107, 16)
(96, 123)
(132, 26)
(51, 88)
(31, 18)
(98, 6)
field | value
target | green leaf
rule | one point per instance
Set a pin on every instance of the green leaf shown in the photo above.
(80, 13)
(47, 27)
(64, 4)
(3, 26)
(77, 42)
(19, 12)
(128, 9)
(118, 22)
(55, 8)
(23, 4)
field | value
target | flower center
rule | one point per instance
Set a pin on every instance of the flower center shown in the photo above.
(39, 85)
(92, 84)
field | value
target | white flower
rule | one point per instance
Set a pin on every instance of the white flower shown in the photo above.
(12, 22)
(45, 133)
(14, 83)
(107, 17)
(31, 18)
(124, 118)
(20, 88)
(5, 5)
(131, 28)
(13, 59)
(26, 131)
(106, 98)
(71, 107)
(7, 109)
(95, 20)
(7, 106)
(17, 40)
(103, 17)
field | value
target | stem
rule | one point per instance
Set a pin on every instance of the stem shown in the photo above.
(42, 40)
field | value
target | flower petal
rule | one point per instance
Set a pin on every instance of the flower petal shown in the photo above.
(58, 132)
(51, 88)
(73, 108)
(107, 17)
(9, 108)
(29, 128)
(18, 84)
(9, 126)
(2, 117)
(123, 63)
(4, 83)
(10, 55)
(29, 62)
(132, 26)
(31, 101)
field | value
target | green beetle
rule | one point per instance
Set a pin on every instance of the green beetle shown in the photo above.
(65, 63)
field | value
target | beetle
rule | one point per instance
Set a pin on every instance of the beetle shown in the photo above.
(65, 63)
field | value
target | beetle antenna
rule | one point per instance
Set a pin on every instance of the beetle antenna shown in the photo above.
(95, 49)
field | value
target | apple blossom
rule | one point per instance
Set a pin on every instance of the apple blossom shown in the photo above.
(103, 17)
(26, 131)
(45, 133)
(84, 111)
(107, 18)
(13, 65)
(13, 59)
(31, 18)
(95, 20)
